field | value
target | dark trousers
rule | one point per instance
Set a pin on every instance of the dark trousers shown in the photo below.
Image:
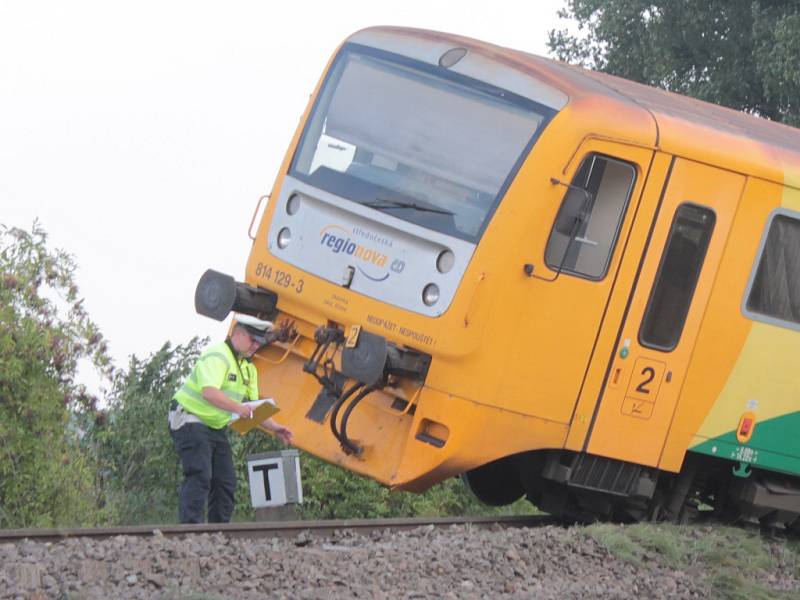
(208, 473)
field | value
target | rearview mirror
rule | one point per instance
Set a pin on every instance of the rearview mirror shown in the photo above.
(590, 216)
(574, 211)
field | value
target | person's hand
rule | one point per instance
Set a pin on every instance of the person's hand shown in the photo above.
(244, 412)
(284, 434)
(284, 332)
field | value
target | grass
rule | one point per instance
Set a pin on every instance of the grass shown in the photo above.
(731, 563)
(730, 586)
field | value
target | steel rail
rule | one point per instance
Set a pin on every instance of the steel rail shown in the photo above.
(260, 529)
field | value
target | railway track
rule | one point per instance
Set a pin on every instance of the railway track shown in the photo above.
(270, 528)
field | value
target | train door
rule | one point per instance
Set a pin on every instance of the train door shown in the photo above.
(658, 332)
(583, 256)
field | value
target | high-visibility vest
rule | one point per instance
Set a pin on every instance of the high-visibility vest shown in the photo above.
(217, 367)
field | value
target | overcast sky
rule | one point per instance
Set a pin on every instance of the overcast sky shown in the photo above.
(142, 133)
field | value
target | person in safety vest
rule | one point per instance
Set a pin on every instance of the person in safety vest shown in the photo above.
(221, 380)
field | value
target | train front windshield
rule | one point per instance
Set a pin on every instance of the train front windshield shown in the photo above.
(419, 142)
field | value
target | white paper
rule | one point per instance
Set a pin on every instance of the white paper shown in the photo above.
(253, 404)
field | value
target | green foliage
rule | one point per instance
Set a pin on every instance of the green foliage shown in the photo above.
(679, 547)
(729, 560)
(138, 468)
(615, 540)
(732, 586)
(45, 479)
(331, 492)
(738, 53)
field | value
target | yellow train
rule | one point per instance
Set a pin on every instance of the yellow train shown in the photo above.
(554, 282)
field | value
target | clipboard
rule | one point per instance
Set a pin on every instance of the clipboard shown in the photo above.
(262, 409)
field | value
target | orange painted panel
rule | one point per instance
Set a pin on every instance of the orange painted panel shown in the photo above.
(724, 333)
(635, 245)
(657, 374)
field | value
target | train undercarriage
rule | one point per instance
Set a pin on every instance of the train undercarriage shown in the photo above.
(579, 487)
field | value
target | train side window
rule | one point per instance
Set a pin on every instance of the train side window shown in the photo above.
(594, 219)
(773, 293)
(677, 277)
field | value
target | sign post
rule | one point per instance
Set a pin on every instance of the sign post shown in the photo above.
(275, 488)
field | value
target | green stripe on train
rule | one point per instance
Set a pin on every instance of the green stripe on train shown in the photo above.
(775, 445)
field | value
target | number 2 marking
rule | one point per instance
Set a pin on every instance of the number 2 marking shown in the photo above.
(650, 374)
(352, 338)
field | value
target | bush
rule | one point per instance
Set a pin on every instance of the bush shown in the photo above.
(45, 477)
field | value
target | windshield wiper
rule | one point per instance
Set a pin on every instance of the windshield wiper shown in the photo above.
(386, 203)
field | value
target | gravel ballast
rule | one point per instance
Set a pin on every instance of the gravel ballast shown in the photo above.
(455, 562)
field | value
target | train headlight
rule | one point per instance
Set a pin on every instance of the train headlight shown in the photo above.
(445, 261)
(430, 295)
(293, 205)
(284, 237)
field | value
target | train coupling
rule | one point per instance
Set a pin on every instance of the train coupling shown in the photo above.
(369, 361)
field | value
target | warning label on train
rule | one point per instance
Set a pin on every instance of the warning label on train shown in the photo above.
(392, 327)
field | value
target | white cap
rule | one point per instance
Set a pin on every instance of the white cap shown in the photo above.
(255, 327)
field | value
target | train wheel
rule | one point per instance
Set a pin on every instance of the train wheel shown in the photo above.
(496, 483)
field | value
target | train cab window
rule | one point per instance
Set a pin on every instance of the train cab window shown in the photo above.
(774, 291)
(588, 222)
(677, 277)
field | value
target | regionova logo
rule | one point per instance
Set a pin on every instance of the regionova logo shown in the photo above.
(339, 240)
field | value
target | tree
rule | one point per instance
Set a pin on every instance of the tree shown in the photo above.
(45, 478)
(744, 54)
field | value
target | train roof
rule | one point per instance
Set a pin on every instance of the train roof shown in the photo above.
(739, 141)
(743, 142)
